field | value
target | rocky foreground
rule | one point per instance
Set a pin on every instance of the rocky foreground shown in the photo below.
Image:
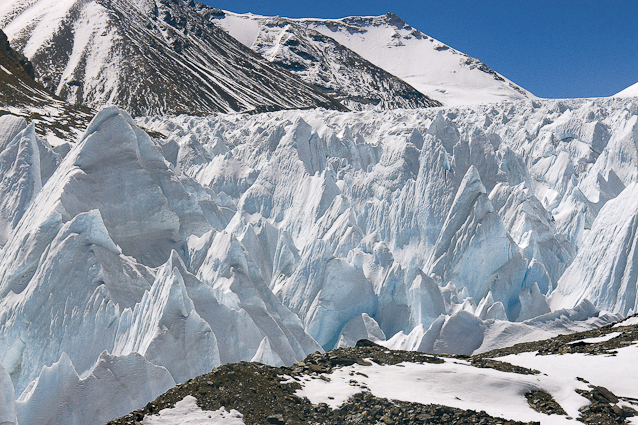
(268, 395)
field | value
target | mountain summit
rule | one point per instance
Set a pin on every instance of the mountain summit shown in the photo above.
(320, 60)
(387, 42)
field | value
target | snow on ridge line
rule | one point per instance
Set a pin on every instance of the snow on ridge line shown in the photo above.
(428, 65)
(631, 91)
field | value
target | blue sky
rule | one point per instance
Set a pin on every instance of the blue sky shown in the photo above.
(554, 48)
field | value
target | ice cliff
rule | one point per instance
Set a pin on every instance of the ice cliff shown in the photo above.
(268, 237)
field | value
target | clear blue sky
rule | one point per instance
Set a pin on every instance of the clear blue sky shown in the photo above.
(554, 48)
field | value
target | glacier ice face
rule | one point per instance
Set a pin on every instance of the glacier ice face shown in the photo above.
(114, 386)
(606, 261)
(238, 284)
(360, 327)
(514, 186)
(166, 329)
(268, 237)
(146, 211)
(72, 291)
(21, 178)
(473, 247)
(10, 126)
(82, 274)
(7, 399)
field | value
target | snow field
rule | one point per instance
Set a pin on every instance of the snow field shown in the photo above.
(617, 372)
(454, 383)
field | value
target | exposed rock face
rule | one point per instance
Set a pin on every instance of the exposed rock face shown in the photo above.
(21, 95)
(150, 58)
(319, 60)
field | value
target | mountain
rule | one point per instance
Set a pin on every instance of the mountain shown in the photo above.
(321, 61)
(431, 67)
(131, 264)
(630, 91)
(21, 95)
(150, 57)
(576, 377)
(428, 65)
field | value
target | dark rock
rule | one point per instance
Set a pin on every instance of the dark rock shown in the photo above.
(603, 395)
(276, 419)
(543, 402)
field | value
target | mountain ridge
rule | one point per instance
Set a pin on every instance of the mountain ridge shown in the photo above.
(102, 52)
(431, 67)
(321, 61)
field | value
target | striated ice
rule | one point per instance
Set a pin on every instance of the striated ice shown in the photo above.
(20, 179)
(604, 268)
(114, 386)
(7, 399)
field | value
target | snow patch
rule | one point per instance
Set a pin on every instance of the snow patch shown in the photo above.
(187, 412)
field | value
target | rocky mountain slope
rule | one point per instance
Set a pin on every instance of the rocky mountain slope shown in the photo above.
(369, 384)
(431, 67)
(150, 57)
(21, 95)
(319, 60)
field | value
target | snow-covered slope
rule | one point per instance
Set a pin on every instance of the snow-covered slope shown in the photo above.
(149, 57)
(428, 65)
(321, 61)
(631, 91)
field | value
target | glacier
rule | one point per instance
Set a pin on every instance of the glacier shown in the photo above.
(271, 236)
